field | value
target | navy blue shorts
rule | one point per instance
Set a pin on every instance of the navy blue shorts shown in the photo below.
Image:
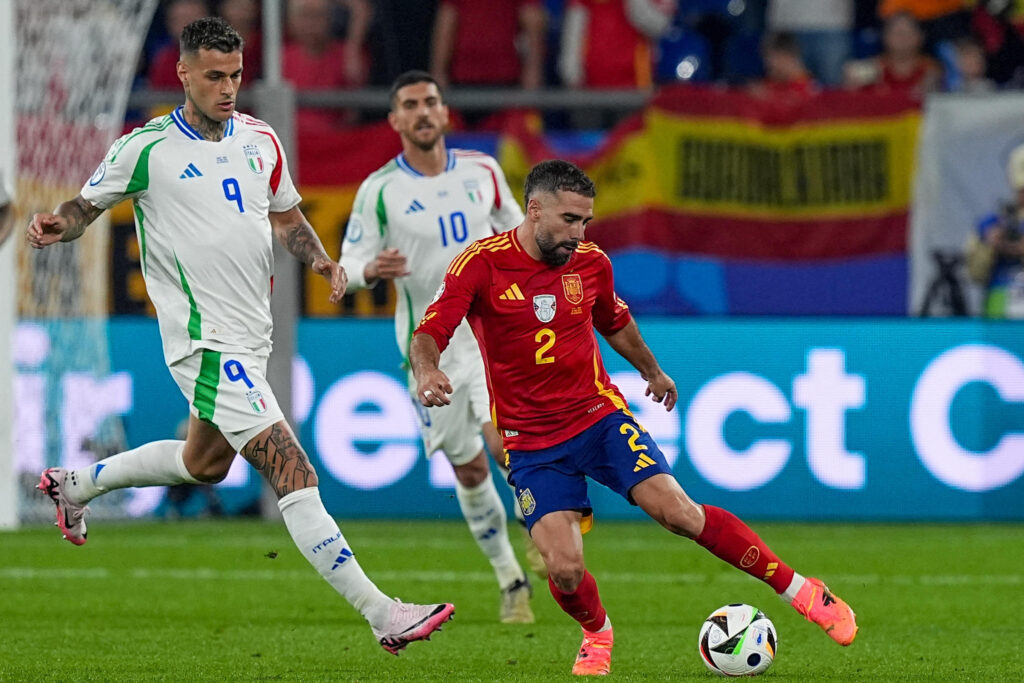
(616, 451)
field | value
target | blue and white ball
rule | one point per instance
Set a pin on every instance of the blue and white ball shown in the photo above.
(738, 640)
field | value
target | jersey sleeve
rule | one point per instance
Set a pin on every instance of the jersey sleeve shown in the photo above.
(281, 190)
(115, 178)
(505, 214)
(366, 234)
(610, 313)
(466, 277)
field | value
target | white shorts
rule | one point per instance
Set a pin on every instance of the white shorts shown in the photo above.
(229, 391)
(455, 428)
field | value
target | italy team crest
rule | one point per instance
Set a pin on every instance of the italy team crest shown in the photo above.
(572, 285)
(473, 190)
(259, 406)
(544, 307)
(255, 159)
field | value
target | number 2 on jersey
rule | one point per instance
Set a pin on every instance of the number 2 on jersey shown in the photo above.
(456, 227)
(233, 193)
(546, 338)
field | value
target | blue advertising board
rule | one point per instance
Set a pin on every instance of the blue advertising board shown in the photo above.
(777, 418)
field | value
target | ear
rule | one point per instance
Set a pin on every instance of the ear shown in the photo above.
(393, 121)
(533, 208)
(182, 70)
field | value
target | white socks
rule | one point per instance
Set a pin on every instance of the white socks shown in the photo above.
(486, 518)
(158, 463)
(320, 541)
(789, 595)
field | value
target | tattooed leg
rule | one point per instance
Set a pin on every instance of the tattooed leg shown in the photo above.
(277, 455)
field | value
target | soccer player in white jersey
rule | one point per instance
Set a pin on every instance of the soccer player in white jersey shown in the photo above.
(410, 219)
(210, 188)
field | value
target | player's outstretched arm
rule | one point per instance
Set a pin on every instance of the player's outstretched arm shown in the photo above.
(432, 385)
(628, 343)
(67, 222)
(296, 234)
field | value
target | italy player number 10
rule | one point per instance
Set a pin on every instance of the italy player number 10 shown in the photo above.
(456, 227)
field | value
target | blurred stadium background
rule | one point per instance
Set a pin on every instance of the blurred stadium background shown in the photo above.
(795, 264)
(780, 254)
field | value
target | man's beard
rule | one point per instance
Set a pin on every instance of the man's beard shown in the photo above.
(549, 250)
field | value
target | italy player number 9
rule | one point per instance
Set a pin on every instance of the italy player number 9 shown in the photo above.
(233, 193)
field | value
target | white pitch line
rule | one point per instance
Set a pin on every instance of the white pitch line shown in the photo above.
(663, 578)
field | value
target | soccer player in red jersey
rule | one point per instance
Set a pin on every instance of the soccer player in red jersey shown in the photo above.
(534, 296)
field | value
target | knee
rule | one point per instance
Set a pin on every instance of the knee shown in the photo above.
(566, 573)
(682, 517)
(474, 472)
(210, 468)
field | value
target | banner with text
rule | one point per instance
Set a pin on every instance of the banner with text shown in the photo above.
(730, 203)
(824, 419)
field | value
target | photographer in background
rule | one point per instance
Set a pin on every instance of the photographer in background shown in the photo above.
(995, 252)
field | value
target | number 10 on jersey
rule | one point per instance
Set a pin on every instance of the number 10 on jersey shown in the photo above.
(456, 229)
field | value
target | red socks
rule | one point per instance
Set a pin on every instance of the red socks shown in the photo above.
(583, 604)
(729, 539)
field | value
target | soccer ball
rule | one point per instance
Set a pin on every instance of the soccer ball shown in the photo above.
(738, 640)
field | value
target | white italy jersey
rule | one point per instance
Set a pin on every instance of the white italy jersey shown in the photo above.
(201, 214)
(430, 220)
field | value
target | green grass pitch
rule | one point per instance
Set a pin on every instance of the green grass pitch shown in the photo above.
(197, 600)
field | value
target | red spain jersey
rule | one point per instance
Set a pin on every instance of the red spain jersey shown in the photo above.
(535, 324)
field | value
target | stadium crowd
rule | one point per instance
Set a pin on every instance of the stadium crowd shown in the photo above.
(779, 48)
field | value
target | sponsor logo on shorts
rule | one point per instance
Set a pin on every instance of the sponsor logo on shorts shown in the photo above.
(527, 502)
(259, 406)
(750, 557)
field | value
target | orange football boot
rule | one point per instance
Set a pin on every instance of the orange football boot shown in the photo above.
(819, 605)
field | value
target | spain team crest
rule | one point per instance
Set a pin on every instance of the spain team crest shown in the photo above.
(572, 285)
(255, 159)
(544, 307)
(527, 502)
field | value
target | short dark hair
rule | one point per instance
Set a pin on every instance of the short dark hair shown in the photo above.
(554, 175)
(410, 78)
(210, 33)
(781, 41)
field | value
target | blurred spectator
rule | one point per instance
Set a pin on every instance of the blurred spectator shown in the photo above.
(313, 59)
(608, 43)
(489, 42)
(6, 210)
(786, 78)
(823, 30)
(398, 42)
(163, 68)
(244, 17)
(970, 68)
(995, 22)
(940, 20)
(902, 66)
(995, 252)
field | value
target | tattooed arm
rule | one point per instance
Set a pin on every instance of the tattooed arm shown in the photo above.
(66, 223)
(295, 233)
